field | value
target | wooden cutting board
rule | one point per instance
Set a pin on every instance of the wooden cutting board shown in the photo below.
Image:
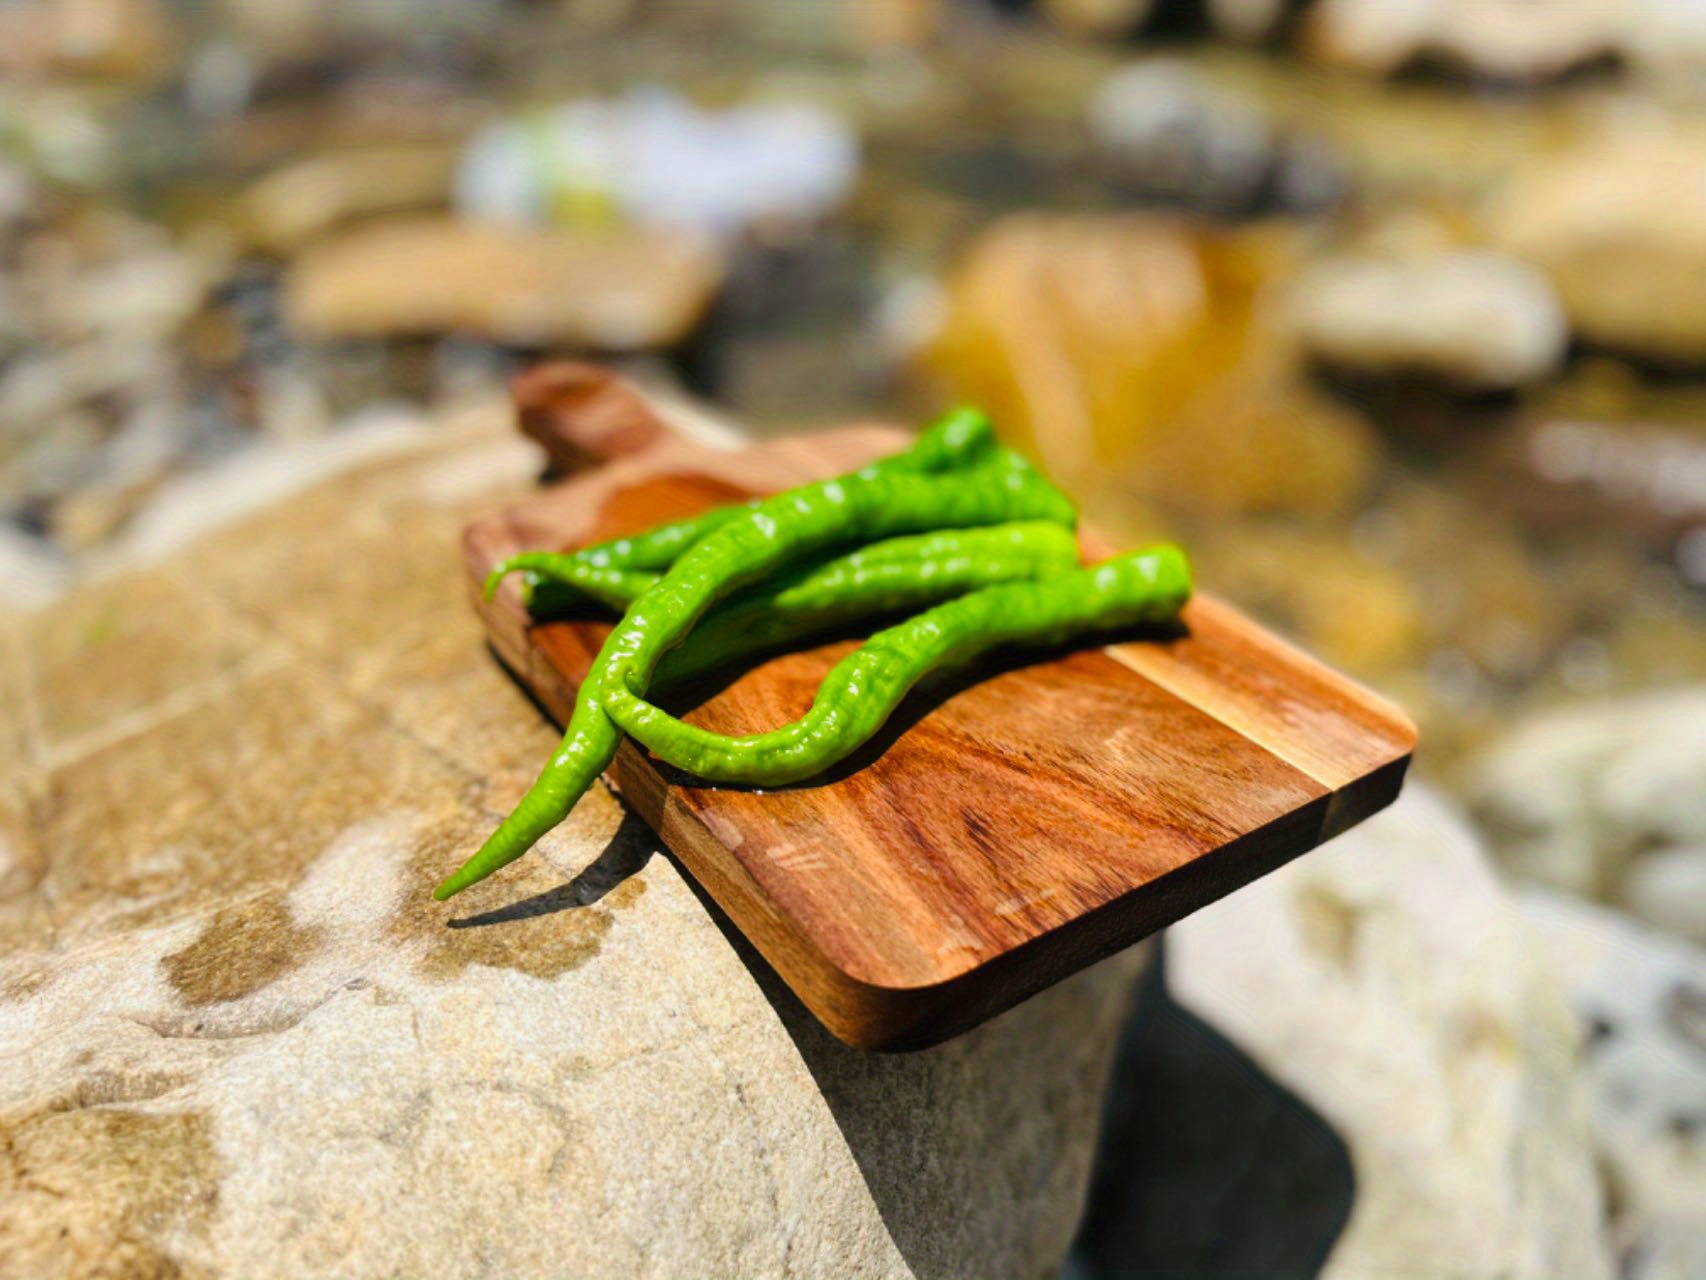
(1009, 828)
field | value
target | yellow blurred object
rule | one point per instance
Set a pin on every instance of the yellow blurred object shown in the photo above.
(303, 200)
(1132, 351)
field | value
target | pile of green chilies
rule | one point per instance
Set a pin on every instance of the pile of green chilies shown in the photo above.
(956, 526)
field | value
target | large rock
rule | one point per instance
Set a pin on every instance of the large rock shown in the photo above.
(1387, 980)
(613, 290)
(1576, 796)
(237, 1038)
(1474, 319)
(1131, 353)
(1644, 996)
(1619, 225)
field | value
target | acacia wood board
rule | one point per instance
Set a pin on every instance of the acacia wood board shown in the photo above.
(1011, 827)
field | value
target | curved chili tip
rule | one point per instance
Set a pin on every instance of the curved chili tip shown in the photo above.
(495, 578)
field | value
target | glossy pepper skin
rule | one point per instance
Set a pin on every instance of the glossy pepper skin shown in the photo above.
(758, 540)
(962, 437)
(885, 577)
(862, 691)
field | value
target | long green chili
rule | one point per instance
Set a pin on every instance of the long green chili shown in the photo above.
(885, 577)
(860, 694)
(869, 504)
(959, 438)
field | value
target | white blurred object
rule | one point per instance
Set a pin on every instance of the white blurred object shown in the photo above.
(1573, 796)
(1666, 36)
(1474, 318)
(1519, 40)
(1667, 889)
(653, 158)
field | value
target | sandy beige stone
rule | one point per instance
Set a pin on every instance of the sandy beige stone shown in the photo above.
(307, 198)
(621, 290)
(1617, 224)
(237, 1037)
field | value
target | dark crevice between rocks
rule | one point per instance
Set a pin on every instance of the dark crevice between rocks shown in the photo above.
(1206, 1165)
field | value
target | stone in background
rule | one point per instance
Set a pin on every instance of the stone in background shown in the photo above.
(1605, 799)
(1643, 997)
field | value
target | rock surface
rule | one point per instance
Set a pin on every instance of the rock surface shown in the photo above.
(1387, 980)
(1533, 40)
(1491, 38)
(238, 1039)
(1667, 889)
(1474, 319)
(1644, 996)
(1577, 796)
(306, 198)
(1619, 225)
(616, 290)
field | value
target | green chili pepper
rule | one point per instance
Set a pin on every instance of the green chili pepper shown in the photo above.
(547, 571)
(555, 581)
(867, 505)
(859, 695)
(883, 578)
(960, 437)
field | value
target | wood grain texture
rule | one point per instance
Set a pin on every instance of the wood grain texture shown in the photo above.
(1009, 827)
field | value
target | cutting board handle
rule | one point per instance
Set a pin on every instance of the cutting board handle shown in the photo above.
(584, 416)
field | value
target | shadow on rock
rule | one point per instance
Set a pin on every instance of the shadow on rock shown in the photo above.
(1207, 1166)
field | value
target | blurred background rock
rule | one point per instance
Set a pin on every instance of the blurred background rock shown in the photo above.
(1396, 312)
